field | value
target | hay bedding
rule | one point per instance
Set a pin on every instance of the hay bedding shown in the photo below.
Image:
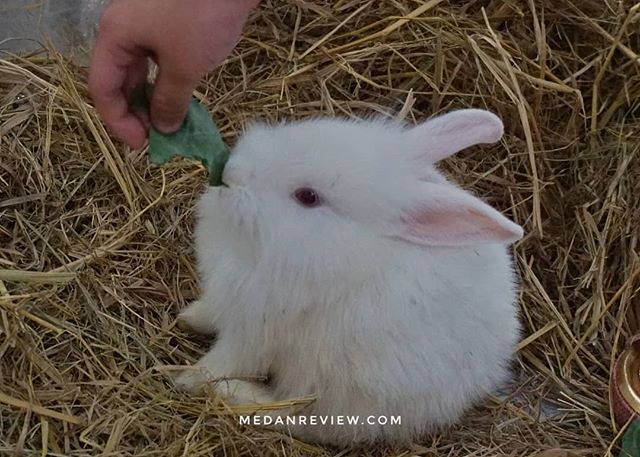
(95, 245)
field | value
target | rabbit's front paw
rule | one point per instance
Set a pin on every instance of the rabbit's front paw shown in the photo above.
(238, 392)
(196, 318)
(193, 380)
(217, 364)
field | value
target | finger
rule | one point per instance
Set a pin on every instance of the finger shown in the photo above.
(171, 97)
(137, 75)
(109, 66)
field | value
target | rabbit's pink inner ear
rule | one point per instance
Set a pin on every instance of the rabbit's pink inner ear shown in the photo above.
(452, 217)
(447, 134)
(459, 228)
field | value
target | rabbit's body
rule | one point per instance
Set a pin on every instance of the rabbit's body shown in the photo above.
(363, 317)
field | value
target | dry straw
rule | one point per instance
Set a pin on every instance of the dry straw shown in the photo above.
(95, 245)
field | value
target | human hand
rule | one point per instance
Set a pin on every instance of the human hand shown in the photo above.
(186, 39)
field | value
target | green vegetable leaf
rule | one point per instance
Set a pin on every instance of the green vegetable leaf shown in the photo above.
(198, 138)
(631, 440)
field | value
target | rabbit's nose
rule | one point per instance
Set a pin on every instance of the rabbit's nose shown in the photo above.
(238, 172)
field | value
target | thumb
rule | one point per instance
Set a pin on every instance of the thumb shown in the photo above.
(170, 100)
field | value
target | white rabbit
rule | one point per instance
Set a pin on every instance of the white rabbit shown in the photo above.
(341, 262)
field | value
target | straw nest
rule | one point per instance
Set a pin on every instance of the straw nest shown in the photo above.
(95, 244)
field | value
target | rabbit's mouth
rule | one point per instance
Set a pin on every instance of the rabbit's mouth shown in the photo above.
(224, 177)
(230, 174)
(235, 207)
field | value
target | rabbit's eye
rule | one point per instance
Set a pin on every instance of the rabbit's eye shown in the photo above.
(307, 197)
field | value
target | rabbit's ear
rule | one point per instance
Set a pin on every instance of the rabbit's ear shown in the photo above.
(448, 216)
(442, 136)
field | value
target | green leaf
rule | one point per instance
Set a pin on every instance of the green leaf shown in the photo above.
(631, 440)
(198, 138)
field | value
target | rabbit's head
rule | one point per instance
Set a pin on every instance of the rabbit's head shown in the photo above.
(329, 198)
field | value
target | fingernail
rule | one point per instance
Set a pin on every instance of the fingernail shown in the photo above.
(166, 127)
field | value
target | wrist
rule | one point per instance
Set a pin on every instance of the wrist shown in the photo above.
(238, 8)
(244, 4)
(251, 4)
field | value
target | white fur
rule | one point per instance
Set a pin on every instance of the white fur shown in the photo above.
(353, 301)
